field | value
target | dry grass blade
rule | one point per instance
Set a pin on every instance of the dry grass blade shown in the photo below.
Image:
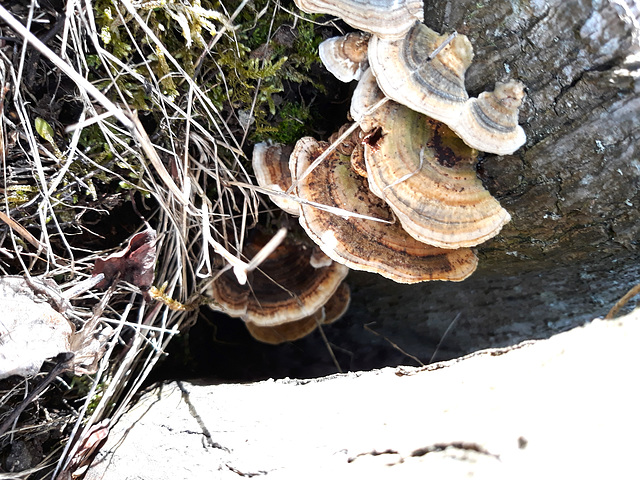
(176, 164)
(65, 67)
(623, 301)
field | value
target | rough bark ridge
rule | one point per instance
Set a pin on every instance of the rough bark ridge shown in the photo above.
(574, 189)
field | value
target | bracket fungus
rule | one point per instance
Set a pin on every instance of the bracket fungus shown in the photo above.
(335, 307)
(351, 147)
(285, 288)
(271, 168)
(384, 18)
(427, 175)
(365, 96)
(346, 56)
(360, 243)
(489, 123)
(406, 73)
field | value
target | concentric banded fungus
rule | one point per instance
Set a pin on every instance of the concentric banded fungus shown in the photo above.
(364, 244)
(427, 175)
(385, 18)
(335, 307)
(345, 57)
(351, 147)
(489, 123)
(286, 332)
(285, 288)
(434, 87)
(365, 96)
(271, 167)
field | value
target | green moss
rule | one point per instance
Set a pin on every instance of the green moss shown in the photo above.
(294, 121)
(252, 70)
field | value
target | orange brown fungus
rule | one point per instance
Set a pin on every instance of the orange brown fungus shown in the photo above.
(335, 307)
(345, 57)
(271, 168)
(364, 244)
(283, 289)
(352, 147)
(439, 201)
(348, 144)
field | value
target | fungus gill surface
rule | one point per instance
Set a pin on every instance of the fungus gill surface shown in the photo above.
(489, 123)
(427, 175)
(385, 18)
(283, 289)
(365, 244)
(405, 74)
(346, 56)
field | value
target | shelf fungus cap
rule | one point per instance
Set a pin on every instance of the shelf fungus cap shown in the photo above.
(489, 123)
(346, 56)
(335, 307)
(365, 96)
(361, 243)
(385, 18)
(351, 147)
(427, 175)
(405, 74)
(285, 288)
(271, 167)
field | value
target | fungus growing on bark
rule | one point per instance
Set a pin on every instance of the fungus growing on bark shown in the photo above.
(365, 96)
(271, 168)
(351, 147)
(362, 244)
(346, 56)
(427, 175)
(489, 123)
(285, 288)
(385, 18)
(433, 86)
(335, 307)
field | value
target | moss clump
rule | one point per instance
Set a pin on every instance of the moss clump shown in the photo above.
(253, 72)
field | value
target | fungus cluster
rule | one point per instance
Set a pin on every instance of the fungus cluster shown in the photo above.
(396, 192)
(296, 288)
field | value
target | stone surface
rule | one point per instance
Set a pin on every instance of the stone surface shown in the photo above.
(565, 407)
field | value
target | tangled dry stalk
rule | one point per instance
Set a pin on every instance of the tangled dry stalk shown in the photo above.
(187, 174)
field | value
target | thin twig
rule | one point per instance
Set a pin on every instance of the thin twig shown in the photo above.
(394, 345)
(623, 301)
(446, 332)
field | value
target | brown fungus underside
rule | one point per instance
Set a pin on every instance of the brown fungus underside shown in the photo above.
(335, 307)
(283, 289)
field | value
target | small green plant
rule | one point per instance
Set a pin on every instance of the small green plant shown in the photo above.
(252, 69)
